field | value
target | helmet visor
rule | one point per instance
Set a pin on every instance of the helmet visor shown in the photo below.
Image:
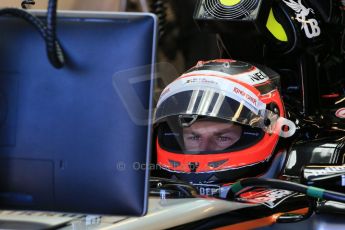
(221, 98)
(208, 103)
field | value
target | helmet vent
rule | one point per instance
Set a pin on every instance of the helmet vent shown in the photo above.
(216, 164)
(174, 163)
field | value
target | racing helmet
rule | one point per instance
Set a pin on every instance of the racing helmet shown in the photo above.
(218, 122)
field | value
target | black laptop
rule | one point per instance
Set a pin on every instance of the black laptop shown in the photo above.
(68, 140)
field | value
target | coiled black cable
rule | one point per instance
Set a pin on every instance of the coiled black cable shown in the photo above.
(286, 185)
(159, 9)
(54, 50)
(36, 22)
(48, 33)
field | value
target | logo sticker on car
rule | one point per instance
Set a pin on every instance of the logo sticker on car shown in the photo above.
(268, 197)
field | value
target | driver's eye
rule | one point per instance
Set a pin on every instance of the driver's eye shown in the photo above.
(223, 138)
(193, 138)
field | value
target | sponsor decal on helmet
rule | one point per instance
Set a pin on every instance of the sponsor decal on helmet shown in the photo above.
(244, 94)
(252, 77)
(202, 80)
(258, 77)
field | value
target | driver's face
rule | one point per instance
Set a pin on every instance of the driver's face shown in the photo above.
(210, 136)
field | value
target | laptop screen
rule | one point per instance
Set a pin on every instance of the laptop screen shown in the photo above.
(68, 141)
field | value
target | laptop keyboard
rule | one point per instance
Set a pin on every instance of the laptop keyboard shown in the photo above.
(51, 220)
